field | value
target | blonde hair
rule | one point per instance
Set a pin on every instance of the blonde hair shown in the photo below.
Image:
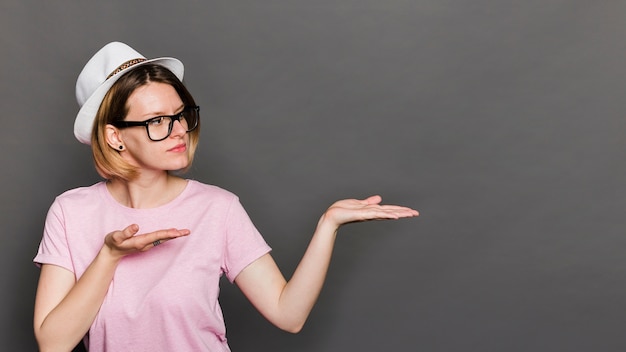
(108, 161)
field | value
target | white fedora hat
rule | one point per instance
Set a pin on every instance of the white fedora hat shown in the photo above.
(101, 71)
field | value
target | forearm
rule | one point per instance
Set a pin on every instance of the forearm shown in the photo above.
(303, 289)
(70, 320)
(288, 304)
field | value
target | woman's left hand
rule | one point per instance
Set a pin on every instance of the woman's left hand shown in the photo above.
(354, 210)
(288, 304)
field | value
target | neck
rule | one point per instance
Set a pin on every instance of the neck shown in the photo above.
(147, 191)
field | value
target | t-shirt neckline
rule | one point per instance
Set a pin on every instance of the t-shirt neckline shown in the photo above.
(172, 203)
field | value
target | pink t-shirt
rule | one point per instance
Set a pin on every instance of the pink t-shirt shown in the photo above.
(165, 299)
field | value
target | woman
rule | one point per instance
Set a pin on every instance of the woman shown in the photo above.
(133, 263)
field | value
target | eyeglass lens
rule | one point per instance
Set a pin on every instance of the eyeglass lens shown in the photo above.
(160, 127)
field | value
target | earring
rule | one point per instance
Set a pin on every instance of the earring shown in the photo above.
(121, 147)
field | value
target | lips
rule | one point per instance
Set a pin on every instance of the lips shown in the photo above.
(178, 148)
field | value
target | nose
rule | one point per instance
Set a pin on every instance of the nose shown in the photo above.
(178, 129)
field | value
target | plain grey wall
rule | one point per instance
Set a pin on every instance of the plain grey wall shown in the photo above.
(501, 121)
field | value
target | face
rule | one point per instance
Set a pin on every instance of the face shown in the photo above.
(147, 101)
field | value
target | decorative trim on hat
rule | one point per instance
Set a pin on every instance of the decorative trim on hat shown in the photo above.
(124, 66)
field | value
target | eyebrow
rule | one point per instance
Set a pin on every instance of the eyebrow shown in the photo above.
(157, 114)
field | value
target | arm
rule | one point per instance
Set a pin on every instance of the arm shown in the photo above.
(288, 304)
(66, 308)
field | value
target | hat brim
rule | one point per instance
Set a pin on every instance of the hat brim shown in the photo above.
(83, 125)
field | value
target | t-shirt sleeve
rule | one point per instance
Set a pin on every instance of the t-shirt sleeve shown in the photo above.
(243, 244)
(53, 248)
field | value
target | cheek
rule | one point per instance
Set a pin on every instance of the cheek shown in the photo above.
(148, 152)
(139, 153)
(136, 141)
(131, 138)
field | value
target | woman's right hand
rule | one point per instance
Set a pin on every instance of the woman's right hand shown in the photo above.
(66, 308)
(126, 241)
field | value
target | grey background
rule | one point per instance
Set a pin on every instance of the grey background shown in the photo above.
(501, 121)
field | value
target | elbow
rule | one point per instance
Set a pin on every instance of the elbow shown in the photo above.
(42, 347)
(293, 330)
(48, 348)
(292, 327)
(289, 321)
(51, 344)
(45, 347)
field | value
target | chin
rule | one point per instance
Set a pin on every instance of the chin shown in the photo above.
(180, 166)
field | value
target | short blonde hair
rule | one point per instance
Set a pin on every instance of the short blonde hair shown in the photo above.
(108, 161)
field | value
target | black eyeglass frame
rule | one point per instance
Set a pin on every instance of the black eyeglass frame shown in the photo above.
(173, 118)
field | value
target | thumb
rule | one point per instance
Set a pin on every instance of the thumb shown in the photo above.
(130, 231)
(376, 199)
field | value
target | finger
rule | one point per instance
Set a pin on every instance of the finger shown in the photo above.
(161, 236)
(126, 233)
(130, 230)
(375, 199)
(401, 211)
(391, 212)
(399, 208)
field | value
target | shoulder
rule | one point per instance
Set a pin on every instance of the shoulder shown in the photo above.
(78, 200)
(210, 200)
(81, 194)
(216, 193)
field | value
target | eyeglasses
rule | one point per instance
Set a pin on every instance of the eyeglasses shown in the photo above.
(160, 127)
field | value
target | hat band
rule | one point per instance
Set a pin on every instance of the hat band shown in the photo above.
(124, 66)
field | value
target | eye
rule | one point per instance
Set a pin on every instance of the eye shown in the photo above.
(157, 121)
